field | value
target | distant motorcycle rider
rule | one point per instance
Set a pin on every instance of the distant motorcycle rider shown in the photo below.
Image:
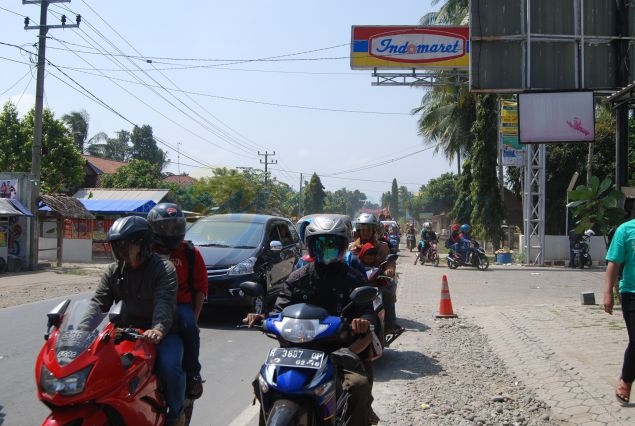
(428, 236)
(367, 226)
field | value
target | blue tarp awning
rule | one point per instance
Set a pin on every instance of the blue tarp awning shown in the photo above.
(115, 206)
(12, 207)
(118, 206)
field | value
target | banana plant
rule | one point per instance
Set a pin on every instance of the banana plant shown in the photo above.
(596, 206)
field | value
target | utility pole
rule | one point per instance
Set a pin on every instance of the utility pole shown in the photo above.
(267, 162)
(36, 152)
(300, 198)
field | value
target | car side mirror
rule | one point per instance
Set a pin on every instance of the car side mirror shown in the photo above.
(275, 246)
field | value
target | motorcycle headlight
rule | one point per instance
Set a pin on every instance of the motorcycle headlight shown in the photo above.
(243, 268)
(299, 330)
(69, 385)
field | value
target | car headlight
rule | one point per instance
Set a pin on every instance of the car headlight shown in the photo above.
(299, 330)
(243, 268)
(69, 385)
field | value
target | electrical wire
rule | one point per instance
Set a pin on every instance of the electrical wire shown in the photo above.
(211, 127)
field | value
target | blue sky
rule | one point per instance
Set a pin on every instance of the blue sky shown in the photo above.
(221, 81)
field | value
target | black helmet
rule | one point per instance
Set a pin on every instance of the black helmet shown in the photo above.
(130, 228)
(167, 223)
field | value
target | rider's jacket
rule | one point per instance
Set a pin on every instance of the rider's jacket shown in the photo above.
(148, 293)
(428, 236)
(327, 286)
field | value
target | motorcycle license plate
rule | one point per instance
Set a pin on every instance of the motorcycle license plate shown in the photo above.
(295, 357)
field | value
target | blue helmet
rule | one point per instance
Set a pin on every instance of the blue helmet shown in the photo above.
(465, 228)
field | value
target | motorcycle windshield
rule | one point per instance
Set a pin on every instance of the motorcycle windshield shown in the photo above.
(78, 329)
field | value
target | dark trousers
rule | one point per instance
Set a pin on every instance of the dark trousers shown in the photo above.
(628, 311)
(189, 332)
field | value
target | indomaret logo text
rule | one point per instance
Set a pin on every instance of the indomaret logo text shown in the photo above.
(417, 46)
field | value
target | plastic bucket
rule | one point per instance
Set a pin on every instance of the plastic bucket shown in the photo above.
(504, 258)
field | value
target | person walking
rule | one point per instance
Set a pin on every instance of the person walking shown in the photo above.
(621, 256)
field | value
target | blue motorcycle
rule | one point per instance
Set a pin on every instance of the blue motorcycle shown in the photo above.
(298, 383)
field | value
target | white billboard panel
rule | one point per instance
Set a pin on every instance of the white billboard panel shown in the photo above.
(555, 117)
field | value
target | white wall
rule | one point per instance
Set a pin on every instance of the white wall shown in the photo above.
(557, 248)
(72, 250)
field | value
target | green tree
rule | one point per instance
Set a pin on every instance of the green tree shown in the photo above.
(144, 147)
(394, 200)
(77, 122)
(15, 141)
(463, 206)
(405, 202)
(487, 207)
(440, 194)
(596, 206)
(118, 148)
(135, 174)
(62, 166)
(314, 196)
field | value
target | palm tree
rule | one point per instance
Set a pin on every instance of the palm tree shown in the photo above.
(78, 125)
(448, 111)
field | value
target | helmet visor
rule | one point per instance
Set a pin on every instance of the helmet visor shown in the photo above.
(169, 227)
(327, 248)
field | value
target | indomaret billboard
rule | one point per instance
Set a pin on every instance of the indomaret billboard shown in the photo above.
(407, 47)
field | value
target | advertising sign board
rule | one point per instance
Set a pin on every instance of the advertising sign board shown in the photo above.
(512, 151)
(407, 47)
(556, 117)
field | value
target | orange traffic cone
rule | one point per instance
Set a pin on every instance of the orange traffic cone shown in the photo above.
(445, 306)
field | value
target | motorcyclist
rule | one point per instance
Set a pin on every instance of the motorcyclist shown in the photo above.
(147, 286)
(328, 282)
(367, 226)
(465, 240)
(428, 236)
(167, 222)
(454, 238)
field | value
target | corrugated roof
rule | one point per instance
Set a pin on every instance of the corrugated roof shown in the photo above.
(12, 207)
(118, 206)
(155, 195)
(66, 206)
(180, 179)
(102, 165)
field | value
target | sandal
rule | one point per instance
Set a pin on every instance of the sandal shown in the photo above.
(623, 392)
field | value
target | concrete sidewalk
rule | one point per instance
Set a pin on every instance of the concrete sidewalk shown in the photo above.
(570, 354)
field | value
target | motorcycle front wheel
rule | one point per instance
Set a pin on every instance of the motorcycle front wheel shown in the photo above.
(286, 412)
(435, 259)
(452, 264)
(483, 263)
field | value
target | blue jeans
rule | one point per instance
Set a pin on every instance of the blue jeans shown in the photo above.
(170, 371)
(628, 312)
(189, 332)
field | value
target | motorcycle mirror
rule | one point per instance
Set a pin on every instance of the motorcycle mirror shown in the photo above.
(363, 294)
(115, 312)
(55, 316)
(252, 289)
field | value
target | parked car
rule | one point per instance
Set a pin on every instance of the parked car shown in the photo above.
(245, 247)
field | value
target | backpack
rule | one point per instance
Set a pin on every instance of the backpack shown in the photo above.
(449, 242)
(189, 255)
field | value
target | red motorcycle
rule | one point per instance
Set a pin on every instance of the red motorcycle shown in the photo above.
(430, 254)
(91, 373)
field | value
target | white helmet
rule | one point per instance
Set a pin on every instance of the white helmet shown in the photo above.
(427, 226)
(589, 233)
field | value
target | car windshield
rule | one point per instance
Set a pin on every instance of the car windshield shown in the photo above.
(226, 234)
